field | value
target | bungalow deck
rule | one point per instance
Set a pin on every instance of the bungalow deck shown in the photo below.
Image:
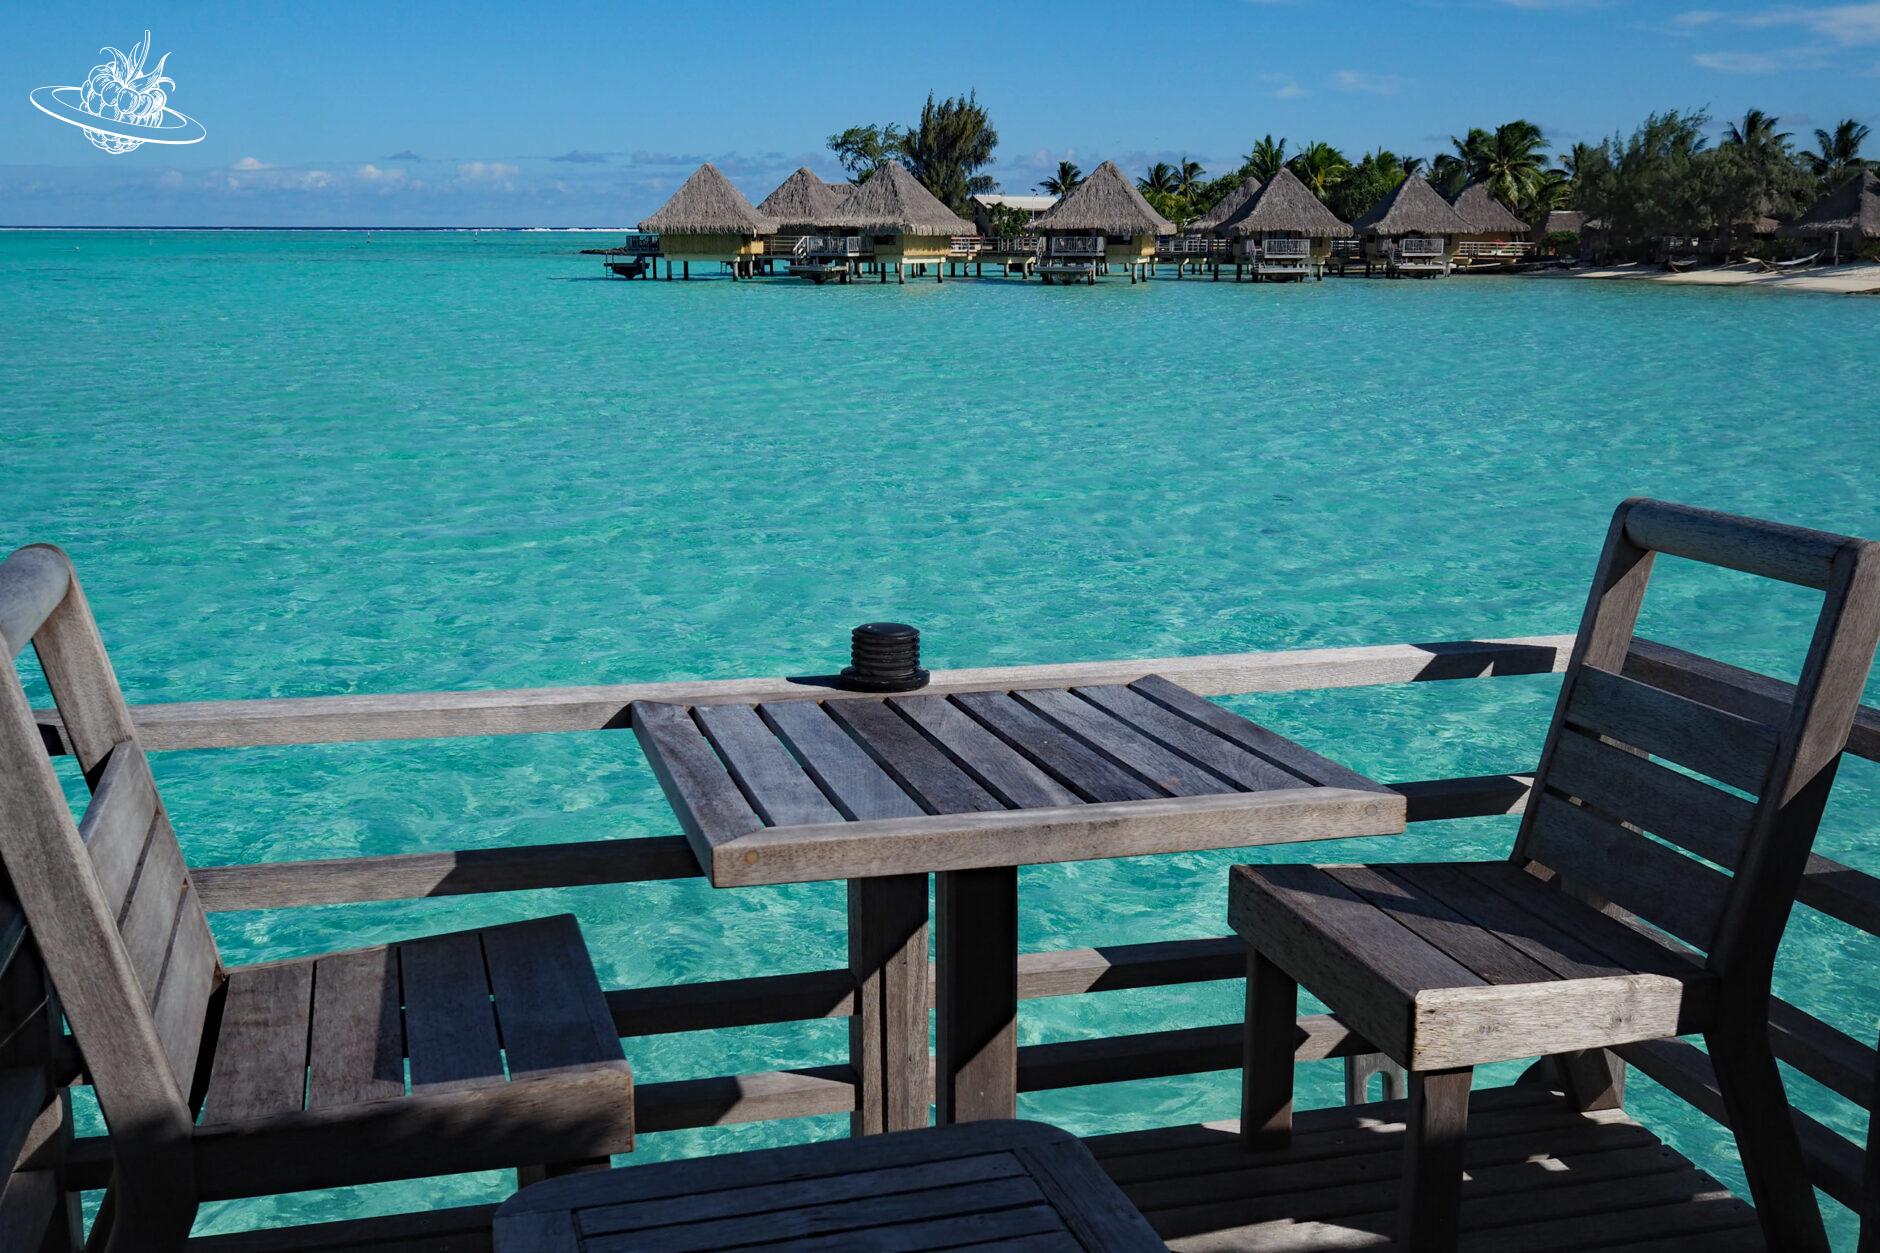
(1541, 1175)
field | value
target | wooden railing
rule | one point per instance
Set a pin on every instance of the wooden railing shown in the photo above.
(1494, 248)
(1285, 249)
(1420, 247)
(37, 1063)
(1076, 245)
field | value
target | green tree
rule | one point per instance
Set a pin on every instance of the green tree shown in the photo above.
(949, 145)
(1757, 131)
(1374, 177)
(1170, 204)
(1837, 152)
(1064, 181)
(1509, 161)
(864, 149)
(1161, 177)
(1411, 165)
(1319, 166)
(1188, 176)
(1649, 185)
(1449, 173)
(1267, 159)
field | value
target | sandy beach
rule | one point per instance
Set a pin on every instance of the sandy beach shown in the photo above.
(1858, 278)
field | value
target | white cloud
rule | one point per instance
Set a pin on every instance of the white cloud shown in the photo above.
(370, 173)
(1772, 61)
(487, 171)
(1374, 84)
(1844, 24)
(251, 163)
(172, 180)
(1285, 87)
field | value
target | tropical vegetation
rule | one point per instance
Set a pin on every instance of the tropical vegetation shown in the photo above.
(1666, 179)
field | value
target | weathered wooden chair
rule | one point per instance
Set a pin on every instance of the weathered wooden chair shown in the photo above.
(1446, 967)
(224, 1082)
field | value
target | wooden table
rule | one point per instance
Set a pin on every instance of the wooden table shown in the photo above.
(882, 791)
(1020, 1185)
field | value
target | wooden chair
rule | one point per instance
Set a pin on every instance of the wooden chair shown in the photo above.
(224, 1082)
(1446, 967)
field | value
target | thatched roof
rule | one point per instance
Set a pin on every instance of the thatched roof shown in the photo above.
(1230, 204)
(1412, 208)
(1853, 208)
(839, 189)
(893, 202)
(1108, 202)
(1481, 210)
(804, 200)
(1561, 220)
(1286, 204)
(707, 204)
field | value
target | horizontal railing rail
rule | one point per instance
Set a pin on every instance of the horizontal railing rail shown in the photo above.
(32, 1097)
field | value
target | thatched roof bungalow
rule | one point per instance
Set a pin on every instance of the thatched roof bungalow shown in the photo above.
(1284, 230)
(1231, 204)
(803, 204)
(1846, 219)
(907, 223)
(1490, 218)
(707, 220)
(1104, 221)
(1413, 230)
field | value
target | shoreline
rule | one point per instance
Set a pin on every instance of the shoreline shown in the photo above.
(1853, 278)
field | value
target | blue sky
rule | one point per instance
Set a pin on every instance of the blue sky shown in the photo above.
(589, 114)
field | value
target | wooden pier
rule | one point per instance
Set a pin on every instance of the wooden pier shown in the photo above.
(1542, 1173)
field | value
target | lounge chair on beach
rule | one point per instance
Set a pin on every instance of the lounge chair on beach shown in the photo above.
(220, 1082)
(1592, 934)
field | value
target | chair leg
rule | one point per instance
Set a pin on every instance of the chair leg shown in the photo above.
(1266, 1074)
(1430, 1204)
(1358, 1071)
(1753, 1097)
(1595, 1079)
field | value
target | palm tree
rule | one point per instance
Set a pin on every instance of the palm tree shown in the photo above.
(1061, 184)
(1839, 151)
(1266, 159)
(1319, 166)
(1411, 165)
(1161, 177)
(1509, 162)
(945, 150)
(1449, 173)
(1188, 177)
(1757, 131)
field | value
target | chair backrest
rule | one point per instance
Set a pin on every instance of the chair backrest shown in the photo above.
(107, 898)
(1598, 790)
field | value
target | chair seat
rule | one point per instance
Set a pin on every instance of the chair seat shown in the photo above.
(493, 1047)
(1462, 964)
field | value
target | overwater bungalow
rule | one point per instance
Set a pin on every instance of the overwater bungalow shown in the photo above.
(1103, 222)
(902, 224)
(1664, 840)
(1411, 232)
(809, 234)
(1845, 220)
(1201, 242)
(986, 202)
(709, 220)
(1283, 232)
(1496, 239)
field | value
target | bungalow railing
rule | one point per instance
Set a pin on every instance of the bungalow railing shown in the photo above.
(1076, 245)
(1285, 249)
(640, 245)
(1420, 246)
(1190, 245)
(39, 1064)
(1469, 248)
(830, 246)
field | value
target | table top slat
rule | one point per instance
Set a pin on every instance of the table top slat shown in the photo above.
(771, 778)
(1297, 758)
(708, 804)
(1128, 747)
(1086, 771)
(911, 759)
(990, 760)
(861, 789)
(1191, 739)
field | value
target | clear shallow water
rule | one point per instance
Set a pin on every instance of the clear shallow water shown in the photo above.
(305, 465)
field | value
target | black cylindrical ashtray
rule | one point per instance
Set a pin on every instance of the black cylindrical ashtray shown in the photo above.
(884, 657)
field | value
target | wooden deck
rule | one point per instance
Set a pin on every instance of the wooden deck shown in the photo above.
(1564, 1188)
(1541, 1179)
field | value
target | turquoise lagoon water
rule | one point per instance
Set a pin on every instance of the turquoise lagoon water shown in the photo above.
(299, 465)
